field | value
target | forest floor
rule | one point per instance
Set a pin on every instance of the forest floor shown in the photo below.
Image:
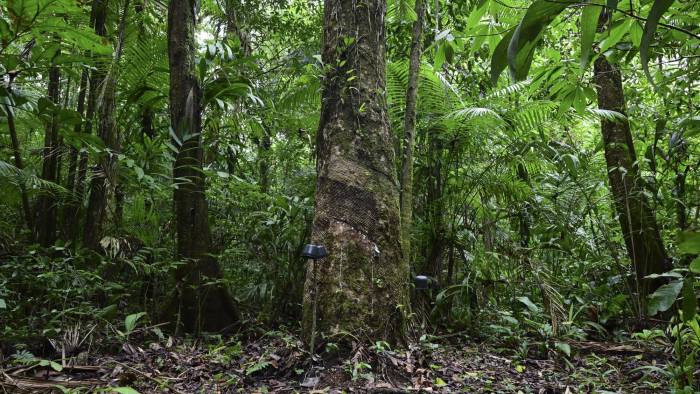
(276, 362)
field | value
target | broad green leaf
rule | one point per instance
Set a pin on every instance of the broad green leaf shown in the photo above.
(589, 25)
(664, 297)
(689, 242)
(615, 34)
(695, 265)
(5, 30)
(130, 321)
(636, 32)
(499, 60)
(657, 9)
(572, 163)
(529, 304)
(564, 348)
(3, 305)
(690, 301)
(529, 33)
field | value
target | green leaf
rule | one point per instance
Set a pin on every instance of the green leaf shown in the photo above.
(589, 25)
(125, 390)
(499, 59)
(572, 163)
(615, 34)
(130, 321)
(694, 266)
(689, 243)
(636, 32)
(664, 297)
(440, 383)
(529, 33)
(529, 304)
(657, 9)
(690, 301)
(3, 305)
(564, 348)
(5, 31)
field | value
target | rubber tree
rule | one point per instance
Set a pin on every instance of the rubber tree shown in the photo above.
(202, 303)
(409, 136)
(361, 287)
(637, 219)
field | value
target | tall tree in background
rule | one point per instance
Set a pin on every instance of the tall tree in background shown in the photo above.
(202, 305)
(409, 137)
(105, 177)
(361, 287)
(637, 219)
(46, 223)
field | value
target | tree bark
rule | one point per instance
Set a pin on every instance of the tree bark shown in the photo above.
(95, 81)
(202, 306)
(17, 153)
(104, 178)
(72, 206)
(435, 208)
(46, 223)
(406, 197)
(361, 287)
(637, 219)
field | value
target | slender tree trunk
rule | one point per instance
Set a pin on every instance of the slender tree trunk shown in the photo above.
(361, 287)
(95, 81)
(46, 223)
(70, 208)
(264, 161)
(104, 178)
(202, 306)
(637, 219)
(679, 193)
(17, 153)
(73, 159)
(406, 197)
(435, 208)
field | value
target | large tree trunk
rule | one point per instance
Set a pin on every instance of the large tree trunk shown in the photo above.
(46, 223)
(361, 287)
(202, 306)
(104, 178)
(409, 137)
(637, 220)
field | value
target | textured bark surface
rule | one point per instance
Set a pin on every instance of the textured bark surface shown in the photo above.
(46, 222)
(435, 209)
(362, 284)
(104, 178)
(409, 136)
(637, 220)
(17, 153)
(201, 306)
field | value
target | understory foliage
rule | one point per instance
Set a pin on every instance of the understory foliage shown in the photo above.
(514, 219)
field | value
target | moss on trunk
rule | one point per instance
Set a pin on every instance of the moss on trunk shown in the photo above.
(360, 288)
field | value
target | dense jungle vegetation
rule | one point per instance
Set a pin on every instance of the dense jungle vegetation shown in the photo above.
(508, 192)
